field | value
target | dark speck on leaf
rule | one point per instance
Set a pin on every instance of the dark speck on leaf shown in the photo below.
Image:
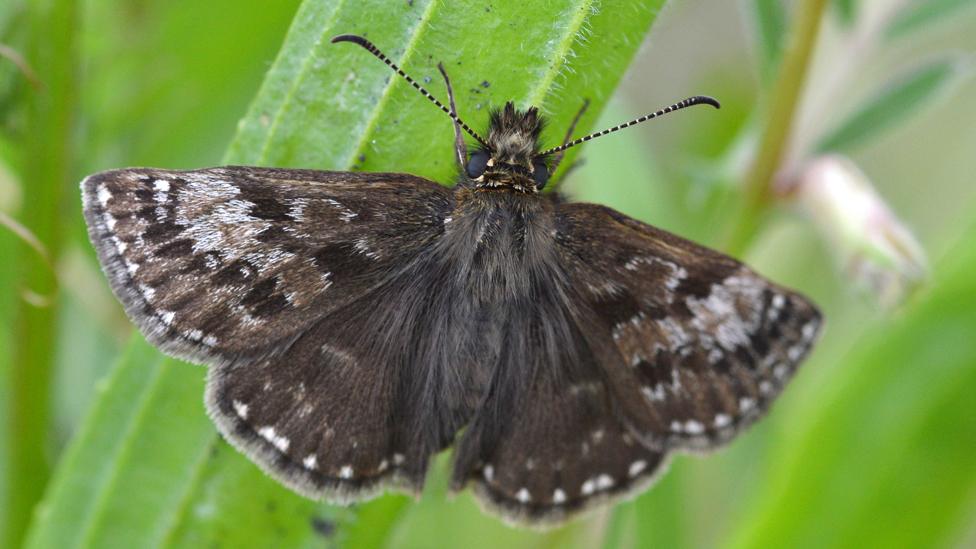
(361, 158)
(426, 80)
(323, 527)
(485, 84)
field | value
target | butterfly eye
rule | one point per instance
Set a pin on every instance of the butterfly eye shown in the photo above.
(477, 164)
(540, 173)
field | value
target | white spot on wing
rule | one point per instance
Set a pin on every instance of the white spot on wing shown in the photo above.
(345, 471)
(167, 317)
(161, 185)
(717, 313)
(604, 481)
(746, 404)
(523, 495)
(268, 433)
(656, 394)
(558, 496)
(311, 462)
(636, 468)
(690, 427)
(240, 408)
(119, 245)
(809, 330)
(362, 246)
(489, 472)
(674, 332)
(345, 213)
(597, 436)
(722, 420)
(296, 208)
(103, 195)
(588, 487)
(147, 292)
(795, 352)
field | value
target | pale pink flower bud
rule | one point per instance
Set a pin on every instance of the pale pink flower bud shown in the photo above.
(873, 246)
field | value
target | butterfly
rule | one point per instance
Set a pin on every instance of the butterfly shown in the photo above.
(356, 324)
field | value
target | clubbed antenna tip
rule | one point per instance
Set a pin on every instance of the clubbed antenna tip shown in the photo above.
(695, 100)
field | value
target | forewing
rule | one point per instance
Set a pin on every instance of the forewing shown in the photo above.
(695, 345)
(233, 264)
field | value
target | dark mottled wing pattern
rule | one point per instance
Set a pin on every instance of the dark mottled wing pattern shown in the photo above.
(546, 442)
(695, 345)
(227, 263)
(269, 276)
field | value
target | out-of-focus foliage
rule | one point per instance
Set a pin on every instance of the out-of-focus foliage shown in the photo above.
(901, 97)
(871, 444)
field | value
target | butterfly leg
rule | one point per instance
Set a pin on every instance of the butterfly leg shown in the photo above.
(460, 149)
(569, 136)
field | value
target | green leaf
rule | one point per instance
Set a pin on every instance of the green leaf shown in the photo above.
(886, 458)
(49, 151)
(917, 15)
(334, 106)
(118, 444)
(898, 100)
(846, 11)
(152, 471)
(770, 21)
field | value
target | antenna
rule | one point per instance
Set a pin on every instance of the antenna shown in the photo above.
(375, 51)
(691, 101)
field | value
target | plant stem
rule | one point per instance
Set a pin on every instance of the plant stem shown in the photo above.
(48, 160)
(776, 130)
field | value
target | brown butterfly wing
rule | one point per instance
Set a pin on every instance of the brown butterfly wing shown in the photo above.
(233, 263)
(695, 345)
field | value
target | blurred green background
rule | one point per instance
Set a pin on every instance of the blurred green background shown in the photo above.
(104, 442)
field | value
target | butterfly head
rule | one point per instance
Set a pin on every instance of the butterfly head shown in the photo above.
(511, 159)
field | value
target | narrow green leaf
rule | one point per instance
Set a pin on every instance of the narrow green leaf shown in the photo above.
(373, 523)
(846, 11)
(227, 488)
(770, 21)
(334, 106)
(49, 159)
(88, 463)
(896, 102)
(887, 458)
(917, 15)
(166, 478)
